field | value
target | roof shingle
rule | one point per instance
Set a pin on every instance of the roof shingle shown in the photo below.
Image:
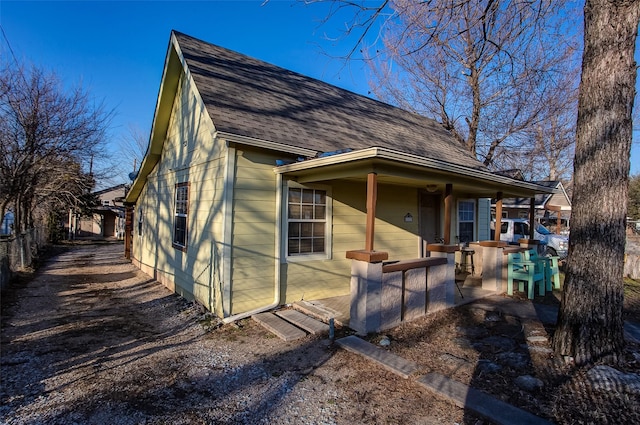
(252, 98)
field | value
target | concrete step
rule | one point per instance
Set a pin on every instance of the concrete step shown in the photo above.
(389, 361)
(303, 321)
(318, 310)
(477, 401)
(280, 327)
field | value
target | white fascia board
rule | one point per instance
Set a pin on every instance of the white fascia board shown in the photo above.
(266, 144)
(410, 159)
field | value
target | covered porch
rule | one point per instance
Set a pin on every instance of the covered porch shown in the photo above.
(386, 290)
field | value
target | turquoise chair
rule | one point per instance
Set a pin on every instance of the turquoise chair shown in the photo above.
(551, 269)
(523, 271)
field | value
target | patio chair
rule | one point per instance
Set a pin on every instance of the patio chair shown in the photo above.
(524, 271)
(551, 269)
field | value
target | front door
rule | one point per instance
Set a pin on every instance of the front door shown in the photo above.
(429, 219)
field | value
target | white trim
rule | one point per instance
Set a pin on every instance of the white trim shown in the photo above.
(227, 229)
(406, 158)
(266, 144)
(474, 221)
(327, 255)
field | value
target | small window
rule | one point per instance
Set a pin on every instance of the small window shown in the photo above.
(181, 215)
(105, 203)
(466, 220)
(306, 221)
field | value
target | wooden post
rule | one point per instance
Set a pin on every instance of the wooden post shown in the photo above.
(559, 224)
(498, 216)
(372, 199)
(448, 198)
(532, 217)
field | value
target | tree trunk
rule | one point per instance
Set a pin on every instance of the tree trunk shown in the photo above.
(590, 324)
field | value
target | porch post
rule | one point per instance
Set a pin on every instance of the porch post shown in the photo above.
(532, 218)
(372, 199)
(498, 216)
(448, 197)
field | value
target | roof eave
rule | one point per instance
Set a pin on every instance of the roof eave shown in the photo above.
(413, 160)
(173, 67)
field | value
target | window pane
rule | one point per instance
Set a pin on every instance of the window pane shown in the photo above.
(294, 211)
(305, 246)
(294, 246)
(294, 196)
(318, 229)
(320, 197)
(466, 232)
(307, 212)
(319, 212)
(318, 245)
(306, 230)
(294, 230)
(307, 196)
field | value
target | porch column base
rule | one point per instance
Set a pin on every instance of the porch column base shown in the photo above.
(442, 295)
(492, 257)
(366, 296)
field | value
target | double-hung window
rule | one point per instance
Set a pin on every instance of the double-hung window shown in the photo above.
(181, 216)
(466, 220)
(306, 222)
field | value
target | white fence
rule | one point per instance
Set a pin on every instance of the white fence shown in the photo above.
(17, 252)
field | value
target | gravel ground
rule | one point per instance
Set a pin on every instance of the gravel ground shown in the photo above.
(91, 340)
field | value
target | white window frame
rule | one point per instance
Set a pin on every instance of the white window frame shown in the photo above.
(178, 188)
(327, 254)
(474, 220)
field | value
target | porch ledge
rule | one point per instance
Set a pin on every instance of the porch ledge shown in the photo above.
(368, 256)
(529, 241)
(493, 244)
(513, 249)
(438, 247)
(413, 264)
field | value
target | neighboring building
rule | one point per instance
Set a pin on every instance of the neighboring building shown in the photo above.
(548, 206)
(107, 219)
(258, 183)
(6, 227)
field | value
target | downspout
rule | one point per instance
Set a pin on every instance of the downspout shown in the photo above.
(278, 247)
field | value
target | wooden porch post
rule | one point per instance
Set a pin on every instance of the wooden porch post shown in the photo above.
(372, 199)
(532, 217)
(448, 197)
(368, 254)
(496, 236)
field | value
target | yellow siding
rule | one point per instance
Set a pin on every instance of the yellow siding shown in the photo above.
(254, 231)
(190, 154)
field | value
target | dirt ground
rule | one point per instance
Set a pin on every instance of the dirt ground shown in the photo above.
(91, 340)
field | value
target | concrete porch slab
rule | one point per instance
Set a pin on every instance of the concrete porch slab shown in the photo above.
(303, 321)
(283, 329)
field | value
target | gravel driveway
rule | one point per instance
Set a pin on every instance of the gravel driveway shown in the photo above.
(92, 340)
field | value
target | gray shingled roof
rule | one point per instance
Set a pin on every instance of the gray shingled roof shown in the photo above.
(252, 98)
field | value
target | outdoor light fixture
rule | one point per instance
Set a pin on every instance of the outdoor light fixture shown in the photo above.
(432, 187)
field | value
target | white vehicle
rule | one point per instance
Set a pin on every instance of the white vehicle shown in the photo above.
(514, 229)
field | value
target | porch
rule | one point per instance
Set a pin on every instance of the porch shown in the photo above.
(468, 290)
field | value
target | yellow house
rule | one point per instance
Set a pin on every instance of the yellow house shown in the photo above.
(260, 186)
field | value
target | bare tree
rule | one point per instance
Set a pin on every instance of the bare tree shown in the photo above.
(484, 69)
(590, 324)
(49, 138)
(132, 148)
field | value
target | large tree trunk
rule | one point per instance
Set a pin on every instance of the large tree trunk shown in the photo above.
(590, 325)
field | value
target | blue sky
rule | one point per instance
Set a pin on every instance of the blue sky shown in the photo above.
(116, 49)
